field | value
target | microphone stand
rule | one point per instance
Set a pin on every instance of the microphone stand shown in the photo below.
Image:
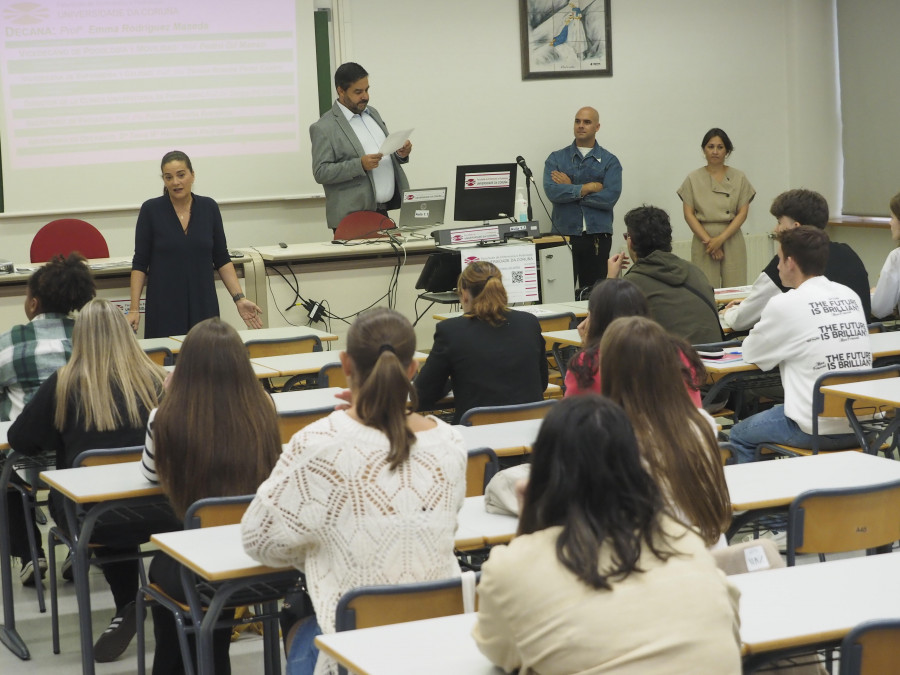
(528, 180)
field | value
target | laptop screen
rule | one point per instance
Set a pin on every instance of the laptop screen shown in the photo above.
(422, 208)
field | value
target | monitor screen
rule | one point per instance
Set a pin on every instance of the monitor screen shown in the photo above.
(485, 191)
(440, 273)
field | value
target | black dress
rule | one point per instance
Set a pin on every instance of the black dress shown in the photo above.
(181, 290)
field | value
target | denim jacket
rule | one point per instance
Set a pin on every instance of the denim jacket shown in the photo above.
(595, 209)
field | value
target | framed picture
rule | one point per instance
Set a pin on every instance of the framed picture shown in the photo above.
(565, 38)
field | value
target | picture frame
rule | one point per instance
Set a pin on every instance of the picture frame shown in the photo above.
(565, 38)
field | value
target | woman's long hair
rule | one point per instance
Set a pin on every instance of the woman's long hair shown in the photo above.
(107, 365)
(641, 370)
(380, 344)
(609, 300)
(216, 432)
(587, 477)
(489, 300)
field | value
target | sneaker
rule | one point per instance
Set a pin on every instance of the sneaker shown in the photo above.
(117, 637)
(27, 574)
(67, 572)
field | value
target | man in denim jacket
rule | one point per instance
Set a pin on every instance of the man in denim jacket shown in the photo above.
(584, 182)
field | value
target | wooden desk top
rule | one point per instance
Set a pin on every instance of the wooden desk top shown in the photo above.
(214, 553)
(442, 646)
(564, 337)
(878, 392)
(308, 363)
(502, 436)
(169, 343)
(261, 372)
(279, 333)
(325, 250)
(731, 293)
(805, 604)
(107, 482)
(758, 485)
(306, 399)
(785, 607)
(885, 344)
(477, 528)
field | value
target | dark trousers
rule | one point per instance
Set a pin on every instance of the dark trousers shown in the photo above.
(590, 253)
(19, 523)
(166, 572)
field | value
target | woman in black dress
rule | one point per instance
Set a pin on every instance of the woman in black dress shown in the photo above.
(179, 240)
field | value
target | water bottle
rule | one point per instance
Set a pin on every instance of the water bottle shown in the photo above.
(521, 205)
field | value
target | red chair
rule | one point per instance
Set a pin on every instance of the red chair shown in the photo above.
(61, 237)
(363, 225)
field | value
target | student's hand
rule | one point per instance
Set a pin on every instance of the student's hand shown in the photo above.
(582, 329)
(615, 265)
(733, 303)
(346, 396)
(369, 162)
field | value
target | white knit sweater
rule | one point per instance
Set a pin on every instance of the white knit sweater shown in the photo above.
(333, 509)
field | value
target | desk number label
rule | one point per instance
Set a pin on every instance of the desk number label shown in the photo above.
(755, 558)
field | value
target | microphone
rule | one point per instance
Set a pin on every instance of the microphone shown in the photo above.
(521, 162)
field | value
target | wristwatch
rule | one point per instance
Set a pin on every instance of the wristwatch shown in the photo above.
(238, 296)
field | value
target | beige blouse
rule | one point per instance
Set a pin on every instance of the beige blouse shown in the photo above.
(714, 202)
(677, 616)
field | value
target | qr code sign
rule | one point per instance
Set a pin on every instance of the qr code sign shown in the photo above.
(517, 276)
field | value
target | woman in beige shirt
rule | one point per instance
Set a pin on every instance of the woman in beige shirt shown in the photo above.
(716, 201)
(600, 579)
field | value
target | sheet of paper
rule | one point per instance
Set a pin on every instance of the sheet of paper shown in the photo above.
(395, 141)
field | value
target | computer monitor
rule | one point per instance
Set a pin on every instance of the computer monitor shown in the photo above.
(440, 273)
(485, 191)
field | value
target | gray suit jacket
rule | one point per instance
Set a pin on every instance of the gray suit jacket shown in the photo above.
(336, 154)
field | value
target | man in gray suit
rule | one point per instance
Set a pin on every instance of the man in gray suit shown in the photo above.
(345, 157)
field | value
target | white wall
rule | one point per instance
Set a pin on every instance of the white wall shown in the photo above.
(762, 70)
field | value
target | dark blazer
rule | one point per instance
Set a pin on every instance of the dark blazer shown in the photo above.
(484, 364)
(336, 154)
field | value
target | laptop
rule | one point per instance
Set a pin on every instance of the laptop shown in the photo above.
(420, 209)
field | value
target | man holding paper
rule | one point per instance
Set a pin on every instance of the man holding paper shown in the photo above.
(349, 144)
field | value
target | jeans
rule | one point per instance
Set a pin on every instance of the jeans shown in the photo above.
(773, 426)
(303, 653)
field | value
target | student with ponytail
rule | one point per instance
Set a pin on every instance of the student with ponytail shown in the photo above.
(368, 495)
(491, 355)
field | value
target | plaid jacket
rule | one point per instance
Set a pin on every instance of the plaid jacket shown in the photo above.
(30, 354)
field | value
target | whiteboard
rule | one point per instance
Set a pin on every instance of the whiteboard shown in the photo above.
(95, 92)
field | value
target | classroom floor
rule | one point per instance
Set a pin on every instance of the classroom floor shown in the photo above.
(34, 628)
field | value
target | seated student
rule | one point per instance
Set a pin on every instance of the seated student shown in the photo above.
(100, 399)
(491, 355)
(610, 300)
(792, 209)
(678, 292)
(887, 292)
(600, 578)
(368, 495)
(644, 372)
(29, 354)
(817, 327)
(214, 435)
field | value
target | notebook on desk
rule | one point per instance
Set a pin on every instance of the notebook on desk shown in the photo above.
(420, 209)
